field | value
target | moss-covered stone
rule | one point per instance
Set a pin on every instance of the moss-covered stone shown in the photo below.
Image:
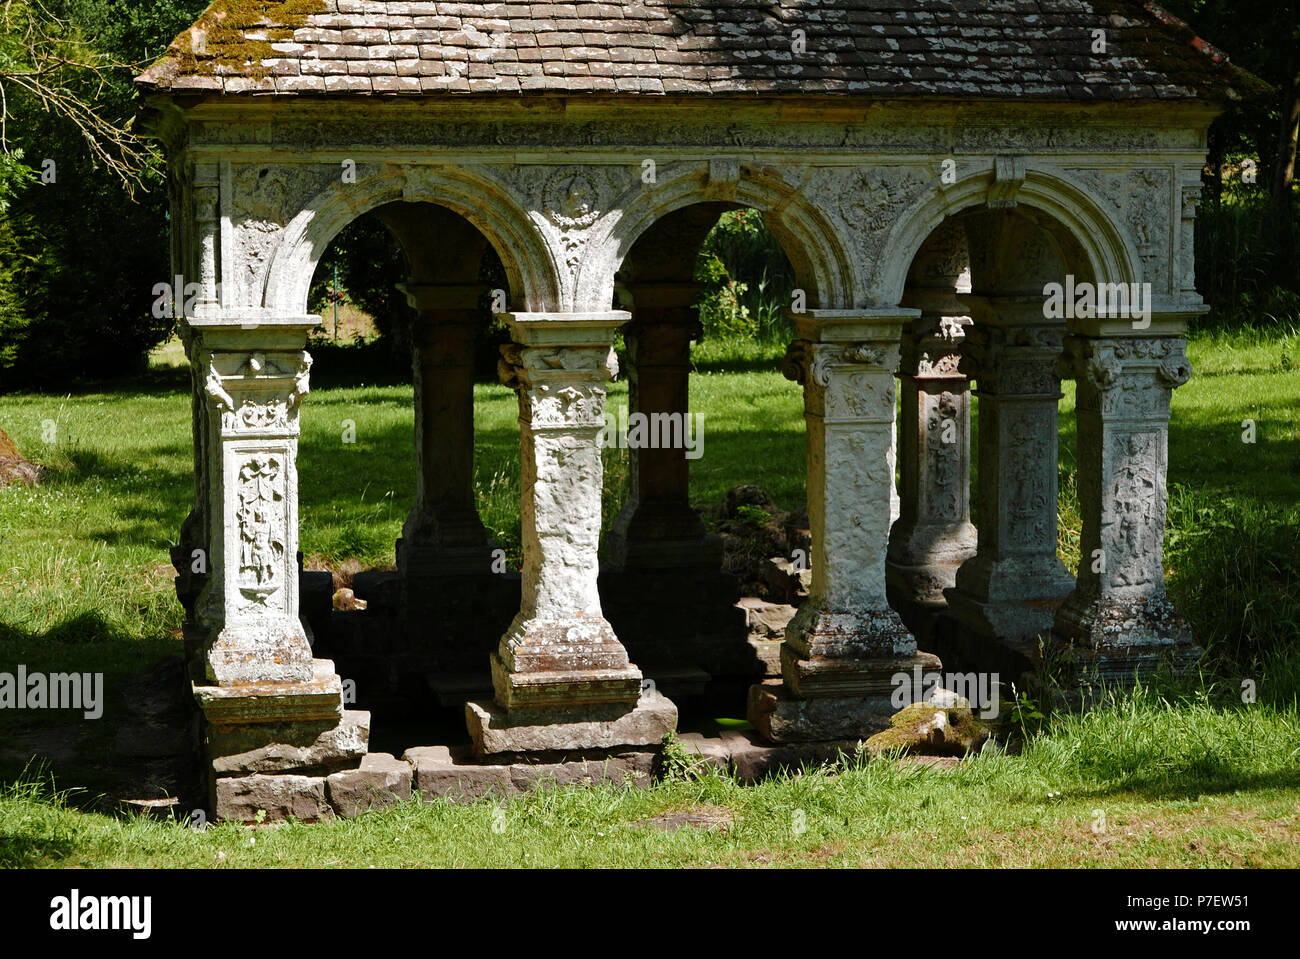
(928, 729)
(237, 35)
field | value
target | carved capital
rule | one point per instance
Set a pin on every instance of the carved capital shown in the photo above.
(559, 387)
(256, 393)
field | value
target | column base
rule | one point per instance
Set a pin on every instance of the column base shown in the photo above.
(843, 654)
(780, 716)
(244, 654)
(423, 561)
(1116, 640)
(269, 746)
(574, 662)
(496, 731)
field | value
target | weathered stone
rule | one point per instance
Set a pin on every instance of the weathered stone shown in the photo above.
(931, 729)
(280, 797)
(381, 781)
(780, 717)
(275, 702)
(338, 747)
(635, 767)
(753, 760)
(440, 772)
(494, 730)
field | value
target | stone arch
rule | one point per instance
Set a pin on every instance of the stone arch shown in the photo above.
(817, 252)
(534, 281)
(1111, 253)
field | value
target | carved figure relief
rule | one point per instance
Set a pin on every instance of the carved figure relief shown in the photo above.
(942, 461)
(1129, 532)
(1027, 509)
(261, 520)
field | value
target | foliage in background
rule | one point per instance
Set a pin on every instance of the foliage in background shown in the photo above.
(748, 281)
(1248, 234)
(79, 256)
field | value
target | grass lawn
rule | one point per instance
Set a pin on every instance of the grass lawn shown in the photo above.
(1201, 779)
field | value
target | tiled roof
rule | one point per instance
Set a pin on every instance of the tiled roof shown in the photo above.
(976, 49)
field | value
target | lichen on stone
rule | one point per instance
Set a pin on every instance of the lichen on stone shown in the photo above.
(237, 36)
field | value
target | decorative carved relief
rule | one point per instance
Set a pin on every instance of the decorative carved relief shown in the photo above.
(261, 521)
(1133, 514)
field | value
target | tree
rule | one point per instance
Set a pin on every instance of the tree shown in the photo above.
(83, 238)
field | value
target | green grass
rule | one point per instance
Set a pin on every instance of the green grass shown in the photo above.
(85, 579)
(1148, 782)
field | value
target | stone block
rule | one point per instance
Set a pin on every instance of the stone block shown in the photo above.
(712, 751)
(320, 699)
(440, 772)
(780, 717)
(636, 767)
(494, 730)
(281, 797)
(338, 747)
(753, 760)
(381, 781)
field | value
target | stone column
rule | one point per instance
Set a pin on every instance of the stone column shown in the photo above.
(443, 534)
(934, 534)
(562, 678)
(657, 529)
(1010, 590)
(1118, 615)
(269, 706)
(845, 645)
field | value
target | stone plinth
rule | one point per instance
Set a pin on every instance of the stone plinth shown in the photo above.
(556, 729)
(845, 643)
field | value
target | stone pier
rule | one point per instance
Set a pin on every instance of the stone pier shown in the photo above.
(269, 707)
(562, 678)
(846, 644)
(1118, 618)
(1008, 593)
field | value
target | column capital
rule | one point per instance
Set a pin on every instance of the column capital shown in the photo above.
(846, 326)
(564, 329)
(1105, 361)
(256, 393)
(931, 347)
(1018, 359)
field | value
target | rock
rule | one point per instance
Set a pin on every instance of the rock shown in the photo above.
(381, 781)
(947, 699)
(337, 747)
(14, 468)
(930, 729)
(494, 730)
(345, 599)
(747, 495)
(280, 797)
(441, 773)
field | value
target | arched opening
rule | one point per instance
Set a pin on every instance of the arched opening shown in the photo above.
(699, 500)
(976, 559)
(413, 464)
